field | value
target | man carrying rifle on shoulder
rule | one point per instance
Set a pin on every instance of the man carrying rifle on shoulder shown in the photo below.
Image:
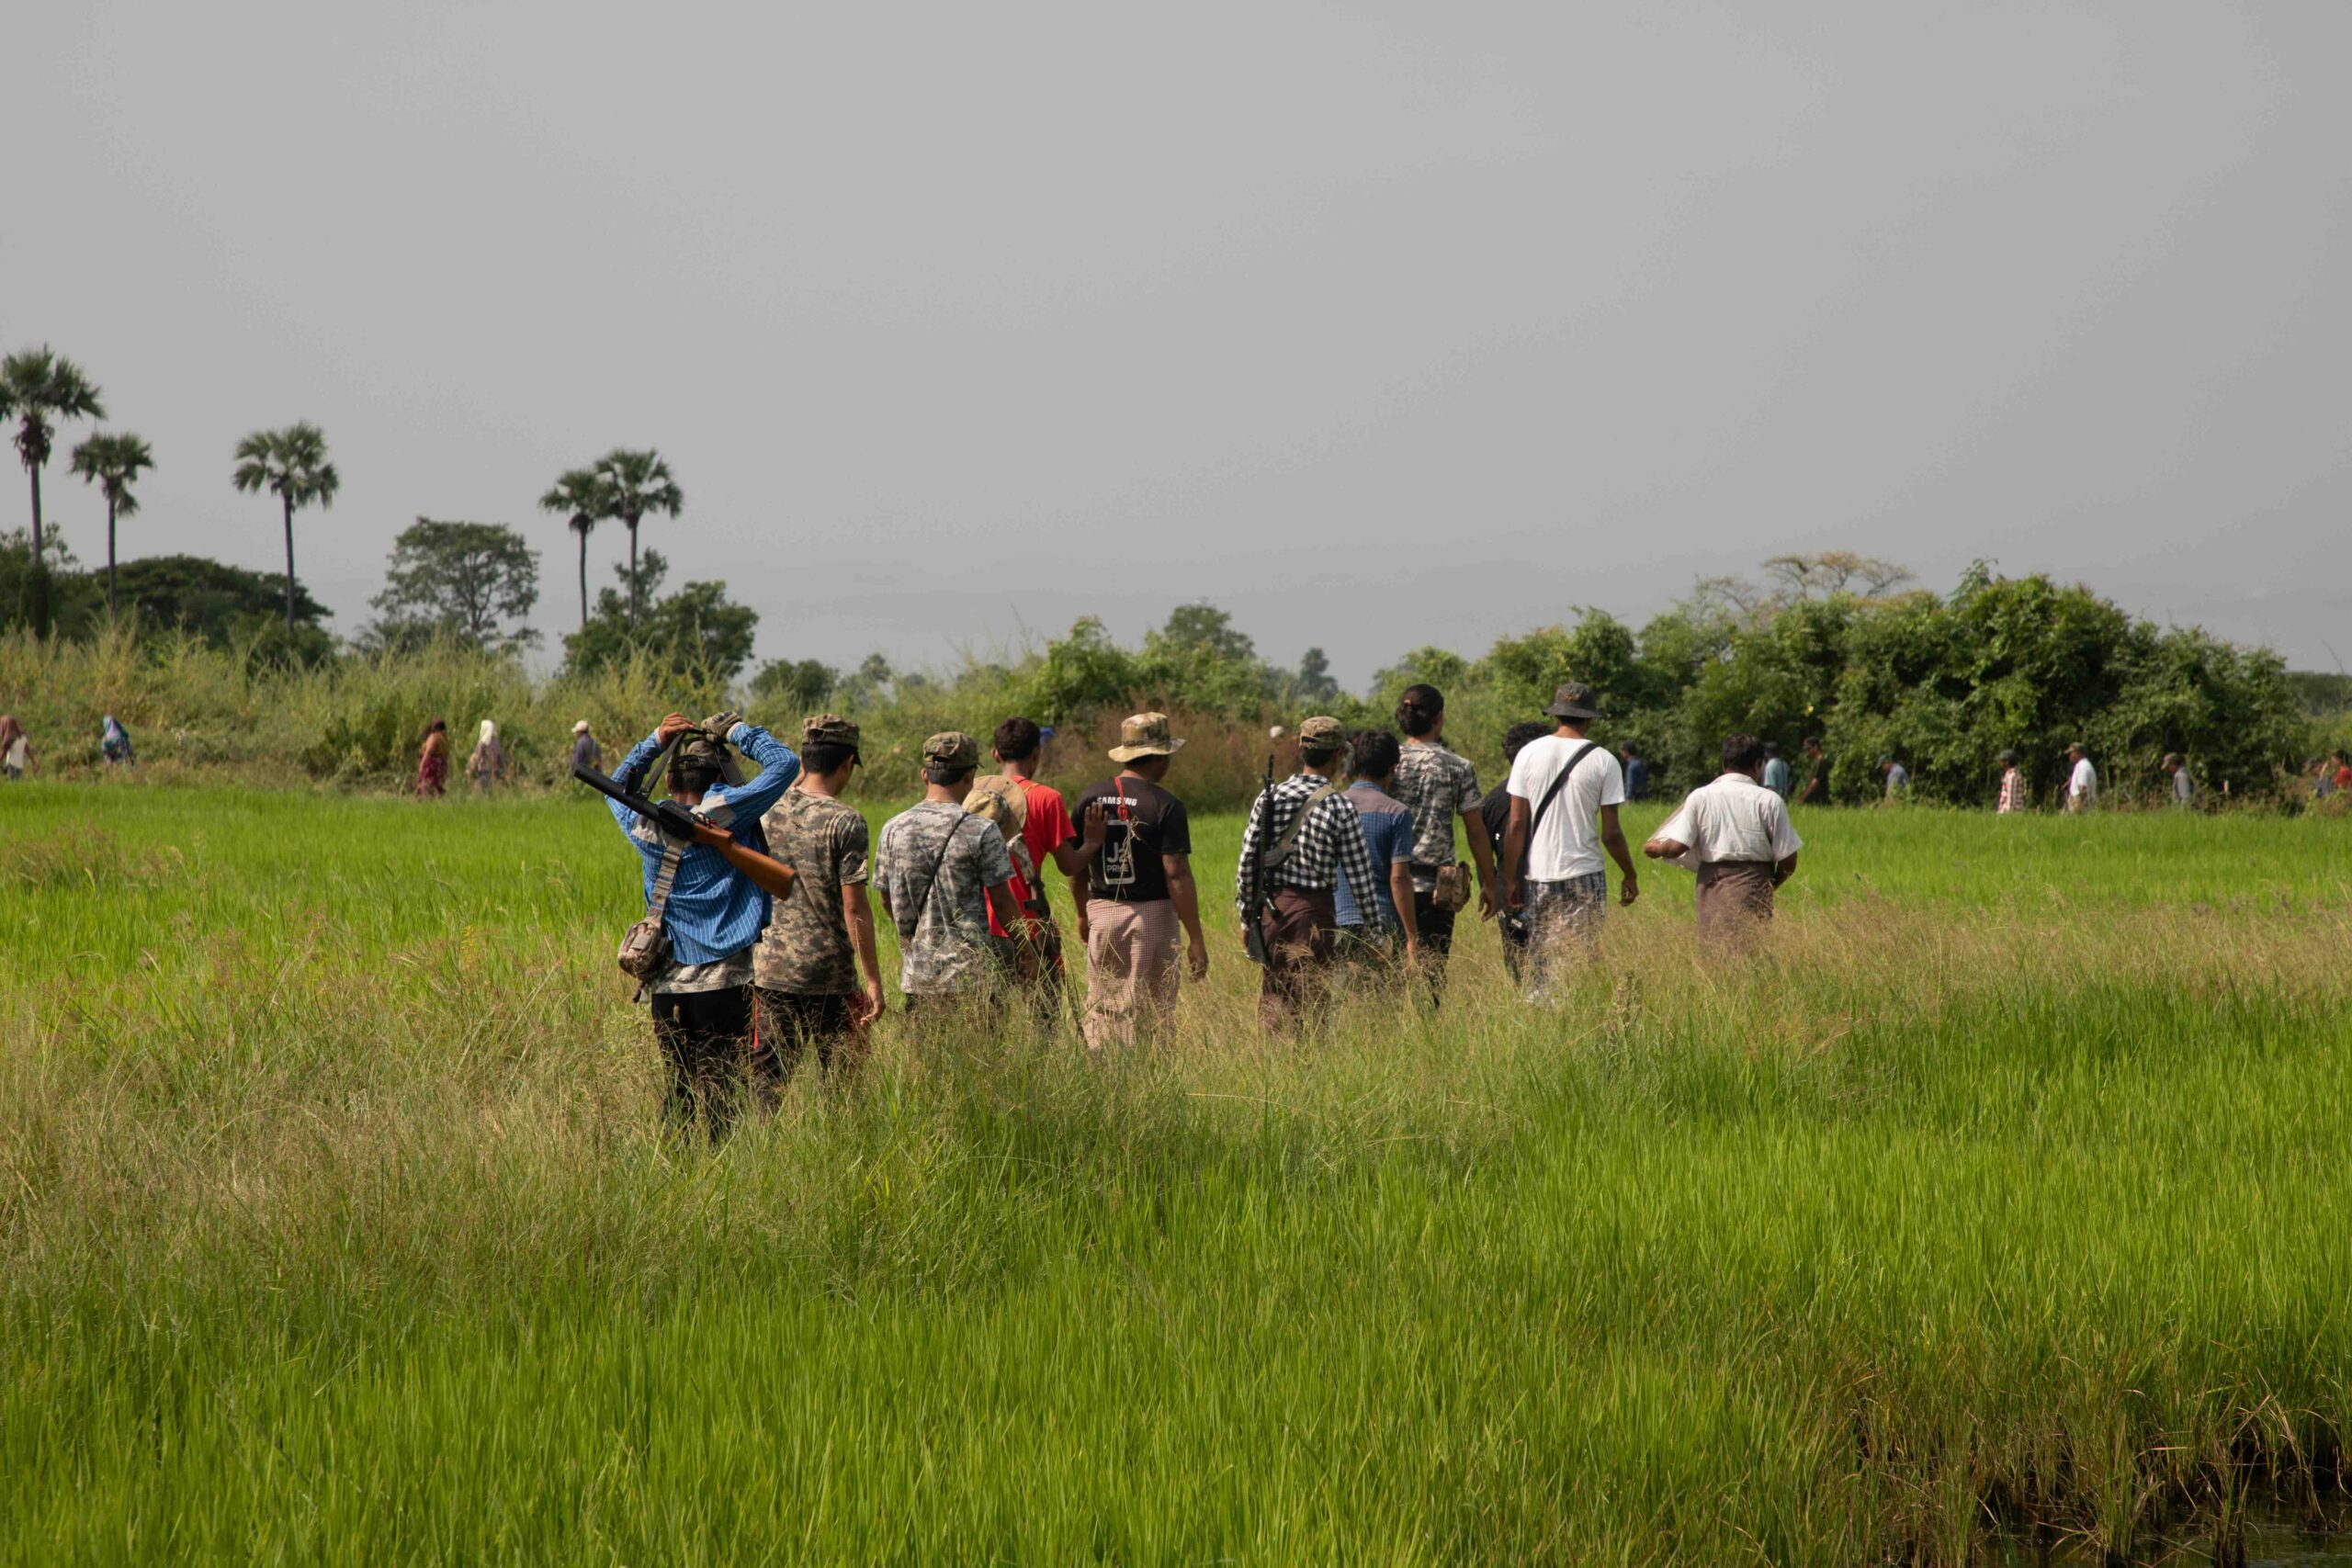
(708, 882)
(1302, 834)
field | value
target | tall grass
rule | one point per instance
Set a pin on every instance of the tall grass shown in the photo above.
(2002, 1193)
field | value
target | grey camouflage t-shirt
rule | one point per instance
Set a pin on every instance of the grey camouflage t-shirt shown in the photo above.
(1438, 785)
(943, 940)
(806, 948)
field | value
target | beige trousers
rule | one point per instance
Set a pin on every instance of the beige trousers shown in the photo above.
(1132, 952)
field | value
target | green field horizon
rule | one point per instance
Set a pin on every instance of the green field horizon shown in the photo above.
(1998, 1202)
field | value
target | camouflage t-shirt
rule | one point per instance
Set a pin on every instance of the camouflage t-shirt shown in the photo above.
(942, 939)
(1438, 785)
(806, 948)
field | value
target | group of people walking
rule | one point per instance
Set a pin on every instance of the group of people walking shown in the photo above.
(486, 765)
(763, 948)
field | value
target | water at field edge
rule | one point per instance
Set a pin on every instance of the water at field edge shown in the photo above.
(2273, 1541)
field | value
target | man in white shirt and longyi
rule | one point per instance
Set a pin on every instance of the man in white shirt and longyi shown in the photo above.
(1734, 833)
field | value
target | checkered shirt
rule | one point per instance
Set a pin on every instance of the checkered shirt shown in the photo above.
(1332, 841)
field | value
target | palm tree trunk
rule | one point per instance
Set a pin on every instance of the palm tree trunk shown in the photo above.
(289, 565)
(110, 505)
(633, 604)
(40, 560)
(583, 579)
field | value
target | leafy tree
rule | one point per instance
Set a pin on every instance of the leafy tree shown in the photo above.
(635, 483)
(586, 500)
(291, 464)
(223, 605)
(467, 582)
(1832, 573)
(801, 688)
(698, 632)
(36, 389)
(1200, 659)
(114, 462)
(1313, 683)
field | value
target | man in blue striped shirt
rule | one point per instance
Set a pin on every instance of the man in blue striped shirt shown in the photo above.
(714, 912)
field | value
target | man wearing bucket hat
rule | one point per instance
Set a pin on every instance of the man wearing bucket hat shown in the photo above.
(1302, 835)
(806, 970)
(1565, 791)
(939, 868)
(1132, 887)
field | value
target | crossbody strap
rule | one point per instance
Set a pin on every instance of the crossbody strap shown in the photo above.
(663, 879)
(932, 881)
(1550, 795)
(1289, 841)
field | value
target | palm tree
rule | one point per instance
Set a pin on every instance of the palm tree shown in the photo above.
(38, 388)
(292, 465)
(114, 463)
(581, 493)
(639, 482)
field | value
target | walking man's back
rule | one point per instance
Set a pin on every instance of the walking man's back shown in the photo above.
(1564, 794)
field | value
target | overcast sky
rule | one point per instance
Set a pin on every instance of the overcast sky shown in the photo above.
(1378, 327)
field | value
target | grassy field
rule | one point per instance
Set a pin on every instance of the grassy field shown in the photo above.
(2003, 1197)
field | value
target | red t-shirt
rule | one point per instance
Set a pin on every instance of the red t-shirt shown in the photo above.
(1046, 829)
(2343, 779)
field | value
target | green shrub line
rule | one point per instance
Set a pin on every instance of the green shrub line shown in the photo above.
(1944, 683)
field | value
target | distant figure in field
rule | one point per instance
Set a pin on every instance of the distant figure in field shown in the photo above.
(1637, 772)
(15, 748)
(2082, 780)
(1777, 777)
(2322, 781)
(2342, 770)
(1565, 792)
(1495, 812)
(432, 761)
(2183, 782)
(113, 743)
(1899, 778)
(1817, 777)
(584, 748)
(1734, 833)
(2012, 798)
(489, 759)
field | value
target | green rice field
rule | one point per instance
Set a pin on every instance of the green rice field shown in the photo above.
(1998, 1206)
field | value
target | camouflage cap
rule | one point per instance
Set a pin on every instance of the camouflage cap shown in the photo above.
(1145, 735)
(699, 748)
(951, 748)
(1322, 734)
(829, 729)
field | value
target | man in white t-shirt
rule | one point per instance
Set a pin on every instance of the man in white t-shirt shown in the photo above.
(2082, 785)
(1565, 792)
(1734, 833)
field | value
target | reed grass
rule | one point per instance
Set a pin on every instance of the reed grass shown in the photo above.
(2001, 1198)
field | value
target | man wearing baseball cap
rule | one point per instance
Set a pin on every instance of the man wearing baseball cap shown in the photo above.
(1565, 791)
(1132, 887)
(939, 869)
(1302, 834)
(806, 970)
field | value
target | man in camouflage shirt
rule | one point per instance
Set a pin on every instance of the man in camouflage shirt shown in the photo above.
(1440, 786)
(939, 868)
(805, 970)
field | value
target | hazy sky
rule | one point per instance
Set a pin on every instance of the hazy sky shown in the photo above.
(1378, 327)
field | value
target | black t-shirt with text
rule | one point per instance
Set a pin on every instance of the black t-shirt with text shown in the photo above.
(1145, 822)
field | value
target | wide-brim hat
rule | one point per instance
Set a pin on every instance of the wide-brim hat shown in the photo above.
(1002, 801)
(1145, 735)
(1574, 700)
